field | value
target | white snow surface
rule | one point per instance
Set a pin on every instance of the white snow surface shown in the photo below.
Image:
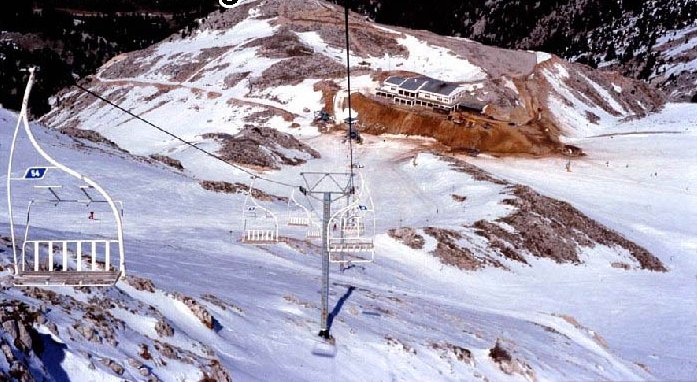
(639, 178)
(186, 239)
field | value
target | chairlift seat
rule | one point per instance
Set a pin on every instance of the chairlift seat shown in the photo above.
(351, 247)
(259, 236)
(298, 221)
(314, 234)
(67, 278)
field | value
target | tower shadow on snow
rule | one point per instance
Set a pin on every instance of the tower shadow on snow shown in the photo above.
(337, 308)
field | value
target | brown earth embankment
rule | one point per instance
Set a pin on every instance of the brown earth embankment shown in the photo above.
(480, 133)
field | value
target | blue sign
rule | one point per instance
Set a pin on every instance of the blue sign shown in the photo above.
(35, 173)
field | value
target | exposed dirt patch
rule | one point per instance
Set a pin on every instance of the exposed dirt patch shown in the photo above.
(329, 90)
(237, 188)
(130, 65)
(88, 135)
(327, 20)
(294, 70)
(450, 252)
(480, 133)
(263, 147)
(475, 172)
(171, 162)
(546, 227)
(408, 236)
(232, 79)
(282, 44)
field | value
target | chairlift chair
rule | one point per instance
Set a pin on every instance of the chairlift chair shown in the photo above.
(260, 224)
(298, 215)
(351, 230)
(84, 260)
(314, 231)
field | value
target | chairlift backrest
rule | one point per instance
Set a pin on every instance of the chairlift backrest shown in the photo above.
(351, 230)
(298, 215)
(260, 224)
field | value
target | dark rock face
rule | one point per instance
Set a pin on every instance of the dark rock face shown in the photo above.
(449, 252)
(89, 135)
(89, 327)
(236, 188)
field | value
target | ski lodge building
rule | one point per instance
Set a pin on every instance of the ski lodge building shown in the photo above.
(427, 92)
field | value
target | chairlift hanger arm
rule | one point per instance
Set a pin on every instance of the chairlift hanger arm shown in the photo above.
(77, 277)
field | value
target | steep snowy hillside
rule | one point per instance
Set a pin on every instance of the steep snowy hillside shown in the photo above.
(421, 312)
(275, 63)
(676, 70)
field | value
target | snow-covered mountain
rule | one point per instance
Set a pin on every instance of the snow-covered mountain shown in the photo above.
(275, 63)
(446, 299)
(507, 269)
(626, 35)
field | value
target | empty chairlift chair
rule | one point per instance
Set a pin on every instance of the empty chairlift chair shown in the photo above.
(260, 224)
(351, 231)
(314, 230)
(60, 254)
(298, 215)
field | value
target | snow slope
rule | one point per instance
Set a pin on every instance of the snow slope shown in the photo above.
(398, 319)
(640, 178)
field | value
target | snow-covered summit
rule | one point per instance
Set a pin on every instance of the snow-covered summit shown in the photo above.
(276, 63)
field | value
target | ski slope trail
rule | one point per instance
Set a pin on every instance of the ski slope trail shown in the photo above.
(645, 186)
(397, 319)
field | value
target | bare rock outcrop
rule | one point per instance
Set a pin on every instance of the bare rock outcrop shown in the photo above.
(244, 148)
(408, 236)
(88, 135)
(236, 188)
(171, 162)
(450, 252)
(198, 310)
(546, 227)
(20, 344)
(450, 350)
(508, 364)
(140, 283)
(163, 328)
